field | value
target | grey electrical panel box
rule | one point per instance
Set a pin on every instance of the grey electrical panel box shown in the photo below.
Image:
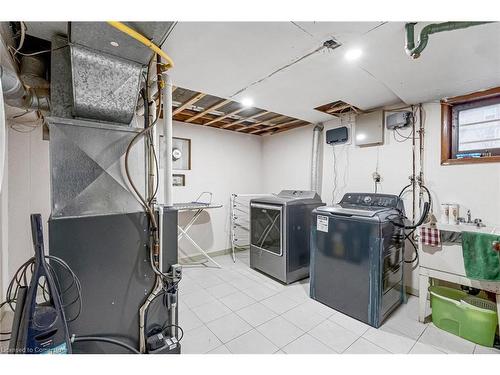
(337, 136)
(398, 119)
(369, 129)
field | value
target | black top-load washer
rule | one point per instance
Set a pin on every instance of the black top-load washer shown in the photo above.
(280, 234)
(357, 256)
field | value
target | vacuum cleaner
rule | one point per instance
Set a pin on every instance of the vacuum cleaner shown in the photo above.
(39, 325)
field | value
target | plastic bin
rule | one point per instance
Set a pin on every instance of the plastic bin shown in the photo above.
(474, 319)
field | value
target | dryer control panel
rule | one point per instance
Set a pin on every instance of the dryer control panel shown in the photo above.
(297, 194)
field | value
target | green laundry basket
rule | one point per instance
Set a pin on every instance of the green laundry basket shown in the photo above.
(475, 319)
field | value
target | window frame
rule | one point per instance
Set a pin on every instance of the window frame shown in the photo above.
(449, 129)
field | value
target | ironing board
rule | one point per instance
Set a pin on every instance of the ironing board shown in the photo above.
(197, 206)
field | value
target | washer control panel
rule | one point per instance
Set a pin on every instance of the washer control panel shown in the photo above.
(370, 199)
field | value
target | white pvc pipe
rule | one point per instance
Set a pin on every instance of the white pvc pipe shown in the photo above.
(167, 140)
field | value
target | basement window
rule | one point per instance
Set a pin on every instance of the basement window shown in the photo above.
(471, 128)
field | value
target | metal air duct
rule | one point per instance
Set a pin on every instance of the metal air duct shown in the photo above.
(315, 158)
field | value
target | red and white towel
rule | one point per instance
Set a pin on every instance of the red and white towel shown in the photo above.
(430, 236)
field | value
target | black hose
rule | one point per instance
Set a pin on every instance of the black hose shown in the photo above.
(420, 221)
(403, 189)
(106, 340)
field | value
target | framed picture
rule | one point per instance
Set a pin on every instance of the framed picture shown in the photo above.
(181, 153)
(178, 180)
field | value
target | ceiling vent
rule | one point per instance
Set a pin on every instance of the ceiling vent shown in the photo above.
(338, 108)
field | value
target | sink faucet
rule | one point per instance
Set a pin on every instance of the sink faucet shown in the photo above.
(477, 222)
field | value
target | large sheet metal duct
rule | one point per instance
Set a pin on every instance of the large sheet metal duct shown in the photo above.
(93, 100)
(97, 72)
(87, 164)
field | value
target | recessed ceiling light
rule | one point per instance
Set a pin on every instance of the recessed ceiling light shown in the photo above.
(247, 102)
(114, 44)
(353, 54)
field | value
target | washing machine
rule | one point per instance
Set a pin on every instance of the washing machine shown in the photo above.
(280, 234)
(357, 256)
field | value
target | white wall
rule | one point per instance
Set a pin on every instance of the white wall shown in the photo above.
(222, 162)
(28, 192)
(286, 159)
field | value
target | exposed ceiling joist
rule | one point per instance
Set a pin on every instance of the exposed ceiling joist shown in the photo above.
(284, 129)
(268, 123)
(220, 118)
(277, 126)
(185, 105)
(245, 119)
(208, 110)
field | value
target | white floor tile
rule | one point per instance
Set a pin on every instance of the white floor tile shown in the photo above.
(220, 350)
(420, 348)
(188, 320)
(198, 341)
(349, 323)
(336, 337)
(484, 350)
(390, 340)
(187, 286)
(362, 346)
(244, 282)
(306, 344)
(304, 316)
(237, 301)
(319, 308)
(197, 298)
(402, 320)
(211, 311)
(298, 291)
(445, 341)
(280, 331)
(221, 290)
(279, 303)
(252, 342)
(229, 327)
(207, 281)
(256, 314)
(260, 292)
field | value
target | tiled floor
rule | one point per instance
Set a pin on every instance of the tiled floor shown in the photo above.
(238, 310)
